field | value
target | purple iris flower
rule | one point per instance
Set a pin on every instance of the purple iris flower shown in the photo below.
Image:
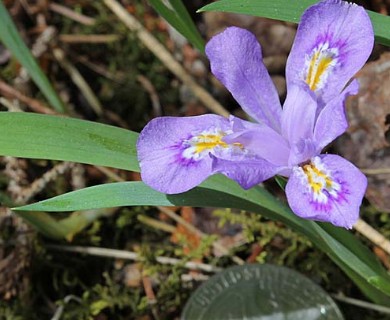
(333, 41)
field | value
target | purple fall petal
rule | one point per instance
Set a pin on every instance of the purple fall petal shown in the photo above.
(236, 60)
(329, 189)
(333, 41)
(247, 172)
(332, 121)
(161, 145)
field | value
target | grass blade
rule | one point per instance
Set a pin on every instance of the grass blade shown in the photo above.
(50, 137)
(37, 136)
(291, 10)
(352, 257)
(179, 18)
(65, 228)
(11, 39)
(184, 15)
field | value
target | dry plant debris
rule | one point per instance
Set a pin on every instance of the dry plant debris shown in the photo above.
(367, 142)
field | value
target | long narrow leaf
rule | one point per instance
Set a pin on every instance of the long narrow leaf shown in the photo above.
(184, 15)
(45, 224)
(10, 37)
(178, 17)
(221, 192)
(38, 136)
(291, 10)
(65, 228)
(355, 267)
(49, 137)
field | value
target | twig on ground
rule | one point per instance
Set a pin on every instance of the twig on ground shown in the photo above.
(373, 235)
(41, 44)
(147, 283)
(115, 118)
(60, 310)
(376, 171)
(77, 176)
(79, 81)
(88, 38)
(119, 77)
(157, 224)
(361, 303)
(165, 56)
(382, 256)
(27, 7)
(149, 88)
(111, 174)
(39, 47)
(69, 13)
(10, 105)
(15, 171)
(194, 277)
(130, 255)
(39, 184)
(33, 104)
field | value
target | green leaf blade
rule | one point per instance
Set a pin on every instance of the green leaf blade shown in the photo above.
(10, 37)
(218, 191)
(185, 17)
(179, 18)
(291, 11)
(38, 136)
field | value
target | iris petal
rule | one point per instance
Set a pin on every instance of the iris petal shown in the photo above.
(236, 60)
(333, 41)
(174, 154)
(260, 140)
(329, 188)
(332, 121)
(299, 112)
(247, 172)
(177, 154)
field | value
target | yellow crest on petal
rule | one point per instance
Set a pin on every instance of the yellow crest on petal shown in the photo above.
(208, 141)
(320, 181)
(205, 142)
(319, 64)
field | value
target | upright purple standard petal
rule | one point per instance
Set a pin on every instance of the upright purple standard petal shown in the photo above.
(328, 188)
(174, 153)
(333, 41)
(298, 119)
(236, 61)
(299, 113)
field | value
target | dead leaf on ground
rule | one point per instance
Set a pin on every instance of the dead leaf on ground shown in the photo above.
(367, 142)
(192, 241)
